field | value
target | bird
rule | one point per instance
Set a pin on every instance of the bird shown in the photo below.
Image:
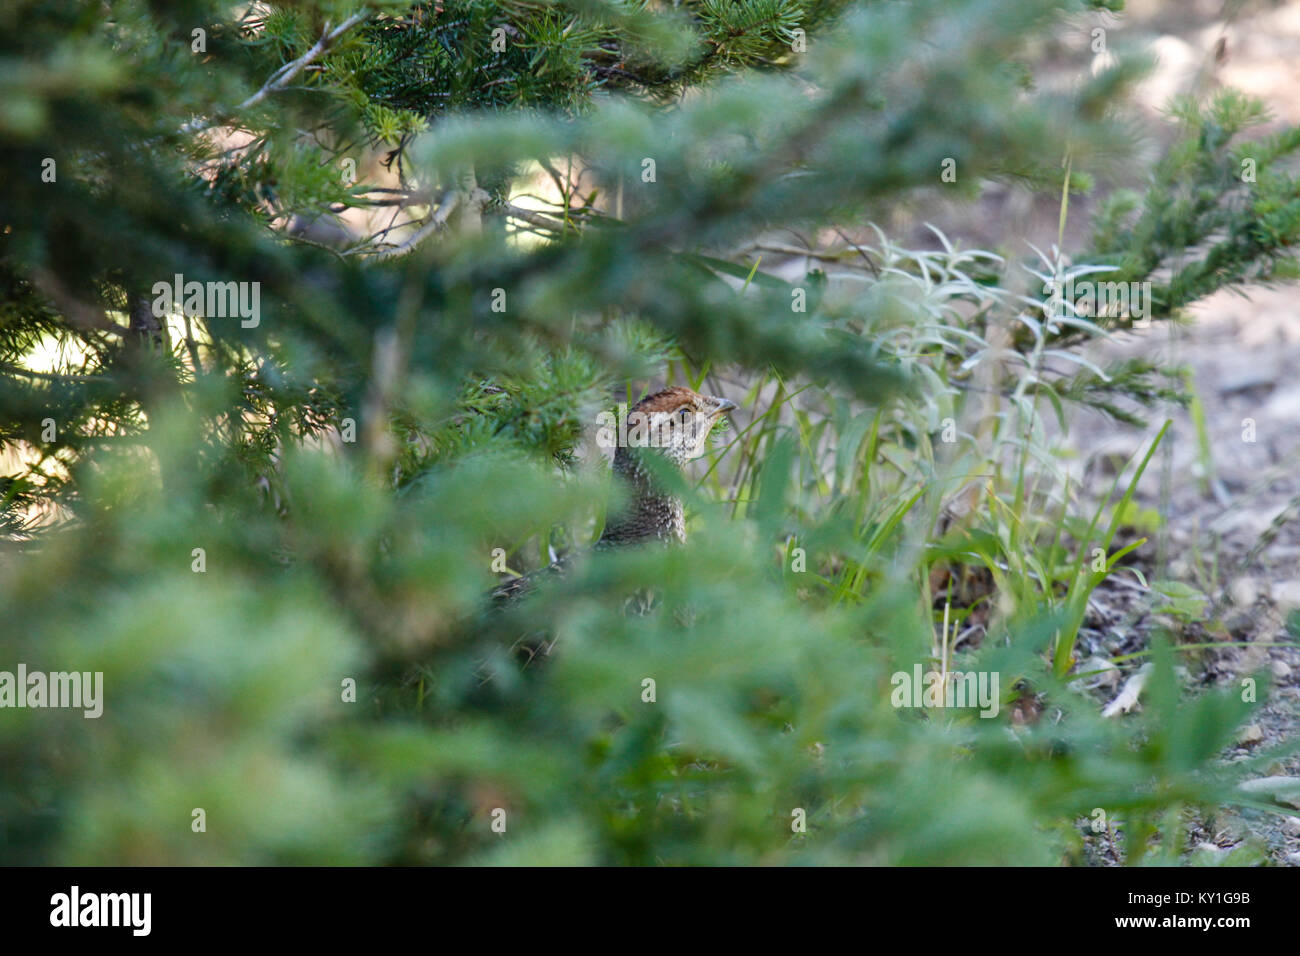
(674, 423)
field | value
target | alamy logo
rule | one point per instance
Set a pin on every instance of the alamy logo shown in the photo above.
(84, 690)
(102, 909)
(954, 689)
(1088, 299)
(209, 300)
(641, 430)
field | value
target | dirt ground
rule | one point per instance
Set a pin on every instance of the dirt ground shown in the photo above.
(1229, 526)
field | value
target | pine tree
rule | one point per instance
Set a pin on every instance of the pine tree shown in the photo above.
(271, 529)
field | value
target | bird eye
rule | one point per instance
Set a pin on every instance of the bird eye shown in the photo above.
(684, 414)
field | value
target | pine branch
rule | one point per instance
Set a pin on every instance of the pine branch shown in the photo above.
(285, 75)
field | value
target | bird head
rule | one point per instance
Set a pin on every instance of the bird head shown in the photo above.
(676, 422)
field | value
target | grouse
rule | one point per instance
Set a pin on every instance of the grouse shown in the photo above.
(675, 423)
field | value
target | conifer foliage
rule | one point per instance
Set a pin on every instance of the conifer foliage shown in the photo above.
(306, 311)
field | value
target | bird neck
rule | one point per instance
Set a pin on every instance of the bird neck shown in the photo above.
(649, 512)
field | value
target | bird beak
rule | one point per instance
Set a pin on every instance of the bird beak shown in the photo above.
(724, 405)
